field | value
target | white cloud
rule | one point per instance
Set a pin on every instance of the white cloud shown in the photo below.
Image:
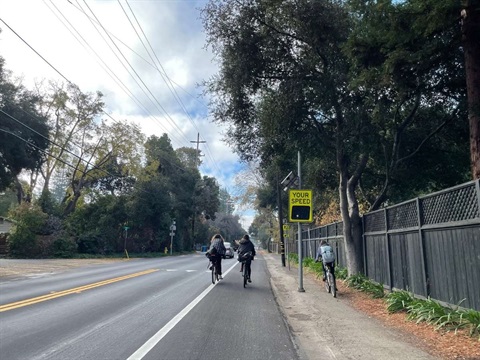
(173, 30)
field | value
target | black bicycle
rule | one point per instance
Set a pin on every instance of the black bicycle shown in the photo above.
(247, 269)
(330, 284)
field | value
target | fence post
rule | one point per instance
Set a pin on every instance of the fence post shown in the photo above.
(477, 187)
(389, 252)
(426, 282)
(365, 259)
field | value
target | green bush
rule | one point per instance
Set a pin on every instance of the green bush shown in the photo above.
(434, 313)
(428, 311)
(293, 258)
(30, 221)
(64, 247)
(470, 319)
(399, 300)
(362, 283)
(341, 272)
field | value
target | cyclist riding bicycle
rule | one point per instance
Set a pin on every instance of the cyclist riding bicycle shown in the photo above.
(326, 255)
(245, 246)
(216, 253)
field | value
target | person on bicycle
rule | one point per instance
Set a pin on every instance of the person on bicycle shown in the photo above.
(216, 253)
(244, 246)
(326, 255)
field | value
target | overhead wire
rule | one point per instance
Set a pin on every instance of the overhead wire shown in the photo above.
(104, 66)
(164, 75)
(165, 78)
(68, 81)
(63, 76)
(168, 117)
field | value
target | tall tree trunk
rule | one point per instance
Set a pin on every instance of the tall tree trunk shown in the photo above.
(471, 45)
(19, 191)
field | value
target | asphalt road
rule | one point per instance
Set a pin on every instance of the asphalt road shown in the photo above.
(143, 309)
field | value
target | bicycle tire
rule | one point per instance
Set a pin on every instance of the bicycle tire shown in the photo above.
(327, 282)
(213, 273)
(245, 276)
(332, 286)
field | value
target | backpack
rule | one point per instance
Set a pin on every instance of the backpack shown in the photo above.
(328, 256)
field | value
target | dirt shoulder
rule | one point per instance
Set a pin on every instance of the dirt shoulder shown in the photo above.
(11, 268)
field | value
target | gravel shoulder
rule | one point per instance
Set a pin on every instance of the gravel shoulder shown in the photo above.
(15, 268)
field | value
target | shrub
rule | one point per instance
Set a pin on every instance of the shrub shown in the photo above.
(64, 247)
(399, 300)
(362, 283)
(428, 310)
(30, 221)
(341, 272)
(293, 258)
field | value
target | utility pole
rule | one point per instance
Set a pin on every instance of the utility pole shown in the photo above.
(198, 142)
(197, 161)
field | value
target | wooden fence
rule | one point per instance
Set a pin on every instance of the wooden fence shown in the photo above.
(429, 246)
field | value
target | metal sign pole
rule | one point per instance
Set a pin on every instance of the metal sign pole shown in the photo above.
(172, 234)
(300, 257)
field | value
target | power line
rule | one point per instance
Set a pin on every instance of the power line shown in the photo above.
(104, 66)
(164, 75)
(162, 72)
(35, 51)
(136, 73)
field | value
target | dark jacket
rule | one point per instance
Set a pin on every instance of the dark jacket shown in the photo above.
(217, 243)
(245, 246)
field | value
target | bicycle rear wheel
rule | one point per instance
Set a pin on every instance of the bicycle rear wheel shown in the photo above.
(213, 274)
(327, 282)
(331, 281)
(245, 274)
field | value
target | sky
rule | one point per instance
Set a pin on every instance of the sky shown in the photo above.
(148, 58)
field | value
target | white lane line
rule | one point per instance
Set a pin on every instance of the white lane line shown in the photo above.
(155, 339)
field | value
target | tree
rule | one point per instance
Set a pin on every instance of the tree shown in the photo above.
(23, 132)
(292, 78)
(470, 14)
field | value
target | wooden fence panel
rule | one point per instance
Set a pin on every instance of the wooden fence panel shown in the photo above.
(453, 260)
(407, 266)
(377, 259)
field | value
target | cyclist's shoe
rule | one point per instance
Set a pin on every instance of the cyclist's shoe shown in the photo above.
(220, 277)
(210, 268)
(249, 280)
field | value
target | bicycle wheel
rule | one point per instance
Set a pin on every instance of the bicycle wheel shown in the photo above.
(331, 281)
(245, 274)
(327, 282)
(213, 273)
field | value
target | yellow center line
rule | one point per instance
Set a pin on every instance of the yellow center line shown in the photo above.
(54, 295)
